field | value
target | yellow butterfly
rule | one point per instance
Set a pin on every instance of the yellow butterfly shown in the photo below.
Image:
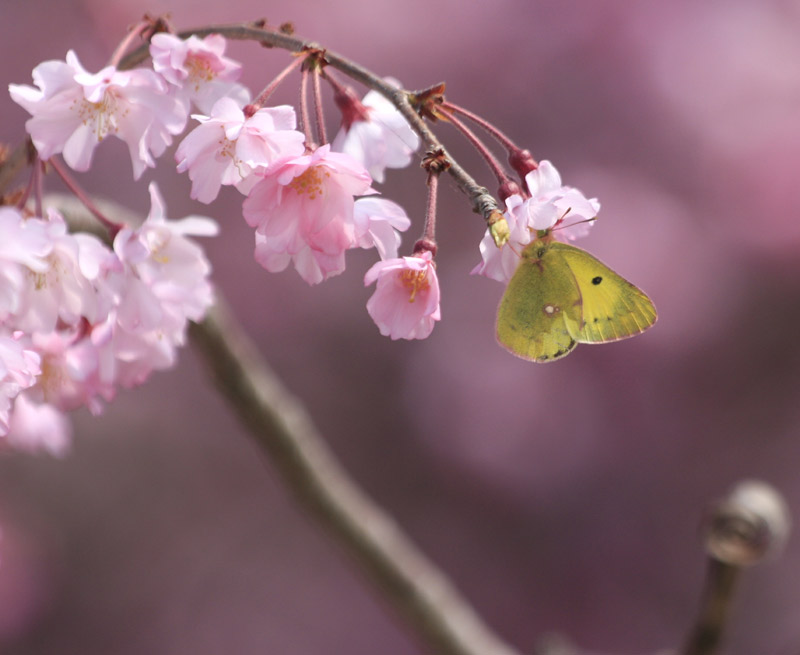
(561, 296)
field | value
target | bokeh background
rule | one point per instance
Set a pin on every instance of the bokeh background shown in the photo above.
(560, 498)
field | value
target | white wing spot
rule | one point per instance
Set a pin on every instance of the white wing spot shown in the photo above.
(550, 310)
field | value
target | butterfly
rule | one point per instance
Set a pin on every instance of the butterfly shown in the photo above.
(561, 296)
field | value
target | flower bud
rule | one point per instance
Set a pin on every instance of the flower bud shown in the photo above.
(498, 228)
(751, 523)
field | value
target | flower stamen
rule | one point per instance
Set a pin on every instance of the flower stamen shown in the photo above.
(310, 183)
(414, 281)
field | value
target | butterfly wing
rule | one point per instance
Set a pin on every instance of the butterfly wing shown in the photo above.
(612, 307)
(540, 313)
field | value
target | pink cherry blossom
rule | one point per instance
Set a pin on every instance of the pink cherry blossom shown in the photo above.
(227, 146)
(377, 224)
(36, 427)
(382, 140)
(302, 209)
(24, 248)
(170, 265)
(19, 368)
(166, 285)
(198, 69)
(548, 206)
(59, 292)
(405, 304)
(550, 203)
(72, 375)
(74, 110)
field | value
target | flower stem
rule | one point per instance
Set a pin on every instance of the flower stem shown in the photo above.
(323, 137)
(304, 114)
(270, 88)
(73, 186)
(126, 42)
(480, 146)
(498, 135)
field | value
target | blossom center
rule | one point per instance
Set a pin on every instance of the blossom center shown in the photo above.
(48, 278)
(310, 183)
(157, 245)
(199, 70)
(101, 115)
(414, 281)
(52, 378)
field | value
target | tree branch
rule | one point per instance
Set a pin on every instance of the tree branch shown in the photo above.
(418, 590)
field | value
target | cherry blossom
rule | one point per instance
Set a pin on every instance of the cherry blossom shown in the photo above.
(72, 375)
(549, 206)
(19, 367)
(73, 111)
(302, 209)
(378, 136)
(227, 146)
(88, 319)
(405, 304)
(551, 203)
(36, 427)
(24, 247)
(166, 285)
(198, 69)
(378, 222)
(59, 291)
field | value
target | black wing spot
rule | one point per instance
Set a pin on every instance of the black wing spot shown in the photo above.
(597, 280)
(596, 319)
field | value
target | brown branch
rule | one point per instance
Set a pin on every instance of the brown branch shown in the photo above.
(418, 590)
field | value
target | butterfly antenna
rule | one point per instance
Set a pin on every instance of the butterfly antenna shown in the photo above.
(560, 222)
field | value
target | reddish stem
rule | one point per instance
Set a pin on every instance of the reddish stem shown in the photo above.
(38, 177)
(304, 114)
(428, 240)
(72, 185)
(480, 146)
(30, 186)
(351, 107)
(520, 160)
(126, 42)
(270, 88)
(505, 141)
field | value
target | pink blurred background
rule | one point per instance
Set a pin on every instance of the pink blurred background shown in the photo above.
(564, 497)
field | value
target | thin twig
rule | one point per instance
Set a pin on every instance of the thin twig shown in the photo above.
(416, 588)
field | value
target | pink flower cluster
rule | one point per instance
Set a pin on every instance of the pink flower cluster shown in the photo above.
(307, 204)
(79, 319)
(73, 110)
(547, 205)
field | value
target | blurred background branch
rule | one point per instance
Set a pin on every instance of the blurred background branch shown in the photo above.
(280, 425)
